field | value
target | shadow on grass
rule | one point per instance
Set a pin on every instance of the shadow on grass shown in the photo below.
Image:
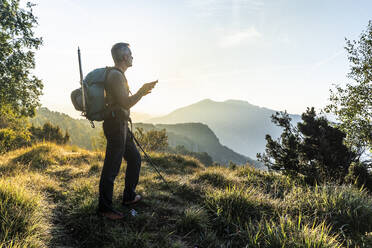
(214, 179)
(174, 164)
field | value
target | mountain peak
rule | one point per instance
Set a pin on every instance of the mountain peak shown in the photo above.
(238, 102)
(229, 101)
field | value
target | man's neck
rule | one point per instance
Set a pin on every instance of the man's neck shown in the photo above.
(121, 67)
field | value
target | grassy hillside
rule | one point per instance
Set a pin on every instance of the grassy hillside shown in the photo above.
(48, 198)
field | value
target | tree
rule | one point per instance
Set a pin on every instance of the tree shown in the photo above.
(282, 155)
(49, 132)
(313, 149)
(353, 104)
(152, 140)
(19, 88)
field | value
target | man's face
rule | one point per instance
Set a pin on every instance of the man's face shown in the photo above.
(129, 58)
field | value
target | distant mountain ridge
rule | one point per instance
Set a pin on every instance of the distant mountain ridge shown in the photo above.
(238, 124)
(196, 137)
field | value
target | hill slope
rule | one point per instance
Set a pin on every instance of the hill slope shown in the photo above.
(238, 124)
(48, 198)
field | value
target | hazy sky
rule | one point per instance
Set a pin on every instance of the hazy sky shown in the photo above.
(280, 54)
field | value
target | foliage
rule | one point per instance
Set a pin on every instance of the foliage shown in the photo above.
(313, 149)
(49, 133)
(360, 174)
(14, 131)
(19, 88)
(9, 119)
(152, 140)
(11, 139)
(352, 104)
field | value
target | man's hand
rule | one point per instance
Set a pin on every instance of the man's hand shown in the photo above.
(146, 88)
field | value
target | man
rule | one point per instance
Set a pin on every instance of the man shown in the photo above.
(119, 141)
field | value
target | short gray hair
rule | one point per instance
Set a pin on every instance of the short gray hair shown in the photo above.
(118, 51)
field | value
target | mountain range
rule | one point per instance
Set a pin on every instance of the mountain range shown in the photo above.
(198, 137)
(239, 125)
(195, 137)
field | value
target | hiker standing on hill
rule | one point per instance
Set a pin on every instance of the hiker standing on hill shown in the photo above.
(119, 140)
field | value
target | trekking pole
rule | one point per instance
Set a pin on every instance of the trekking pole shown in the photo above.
(81, 81)
(151, 162)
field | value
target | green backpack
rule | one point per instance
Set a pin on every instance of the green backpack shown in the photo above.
(94, 92)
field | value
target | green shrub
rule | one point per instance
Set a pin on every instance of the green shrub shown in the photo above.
(152, 140)
(11, 139)
(360, 175)
(49, 132)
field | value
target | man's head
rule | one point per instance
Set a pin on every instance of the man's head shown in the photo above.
(121, 54)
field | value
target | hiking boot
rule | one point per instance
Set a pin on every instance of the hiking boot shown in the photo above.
(136, 199)
(111, 215)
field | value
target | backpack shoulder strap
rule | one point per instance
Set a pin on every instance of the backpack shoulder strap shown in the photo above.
(109, 68)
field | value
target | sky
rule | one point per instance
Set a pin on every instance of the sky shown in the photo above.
(279, 54)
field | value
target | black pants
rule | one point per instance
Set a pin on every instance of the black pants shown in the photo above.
(119, 144)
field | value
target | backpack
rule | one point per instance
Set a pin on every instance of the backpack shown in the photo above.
(94, 92)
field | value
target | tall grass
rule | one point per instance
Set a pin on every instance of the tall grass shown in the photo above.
(22, 224)
(346, 208)
(53, 197)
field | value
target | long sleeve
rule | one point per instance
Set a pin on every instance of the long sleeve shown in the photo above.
(117, 87)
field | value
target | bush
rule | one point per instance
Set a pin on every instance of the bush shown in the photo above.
(152, 140)
(48, 132)
(314, 149)
(11, 139)
(360, 175)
